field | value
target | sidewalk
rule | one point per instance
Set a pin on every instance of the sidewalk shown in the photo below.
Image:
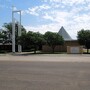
(45, 57)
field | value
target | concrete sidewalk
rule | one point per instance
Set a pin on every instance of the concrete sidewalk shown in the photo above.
(46, 57)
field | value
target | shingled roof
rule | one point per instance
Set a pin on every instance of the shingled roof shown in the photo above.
(64, 34)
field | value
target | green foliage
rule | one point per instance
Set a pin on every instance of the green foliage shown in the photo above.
(32, 40)
(53, 39)
(1, 37)
(8, 27)
(84, 38)
(7, 33)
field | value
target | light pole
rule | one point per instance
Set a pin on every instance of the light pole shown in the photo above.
(13, 31)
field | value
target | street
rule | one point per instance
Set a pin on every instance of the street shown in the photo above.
(44, 75)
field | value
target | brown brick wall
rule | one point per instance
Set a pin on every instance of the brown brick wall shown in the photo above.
(60, 48)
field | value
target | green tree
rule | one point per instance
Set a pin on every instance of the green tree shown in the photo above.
(23, 39)
(83, 37)
(32, 40)
(53, 39)
(1, 37)
(8, 27)
(38, 41)
(8, 32)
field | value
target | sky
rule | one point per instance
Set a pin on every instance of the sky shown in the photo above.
(48, 15)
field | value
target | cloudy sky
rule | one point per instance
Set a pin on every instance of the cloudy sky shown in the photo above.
(48, 15)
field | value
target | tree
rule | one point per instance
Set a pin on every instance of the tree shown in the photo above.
(8, 32)
(53, 39)
(1, 37)
(23, 39)
(8, 27)
(32, 40)
(38, 41)
(84, 38)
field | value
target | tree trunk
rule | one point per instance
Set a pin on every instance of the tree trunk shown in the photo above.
(35, 49)
(53, 50)
(87, 50)
(53, 47)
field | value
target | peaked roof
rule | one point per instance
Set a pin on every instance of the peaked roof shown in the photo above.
(64, 34)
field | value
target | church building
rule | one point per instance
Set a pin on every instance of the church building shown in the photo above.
(62, 48)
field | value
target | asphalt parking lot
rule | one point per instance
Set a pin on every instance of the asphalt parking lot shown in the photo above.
(45, 72)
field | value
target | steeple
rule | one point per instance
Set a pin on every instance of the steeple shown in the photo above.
(64, 34)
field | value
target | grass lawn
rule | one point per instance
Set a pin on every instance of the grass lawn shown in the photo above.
(85, 50)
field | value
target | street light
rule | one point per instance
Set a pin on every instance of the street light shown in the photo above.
(13, 31)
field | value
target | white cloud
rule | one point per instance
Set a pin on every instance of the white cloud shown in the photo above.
(67, 1)
(33, 11)
(60, 16)
(57, 17)
(82, 19)
(73, 2)
(87, 7)
(72, 14)
(72, 23)
(46, 16)
(55, 0)
(44, 7)
(36, 10)
(43, 28)
(55, 27)
(14, 8)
